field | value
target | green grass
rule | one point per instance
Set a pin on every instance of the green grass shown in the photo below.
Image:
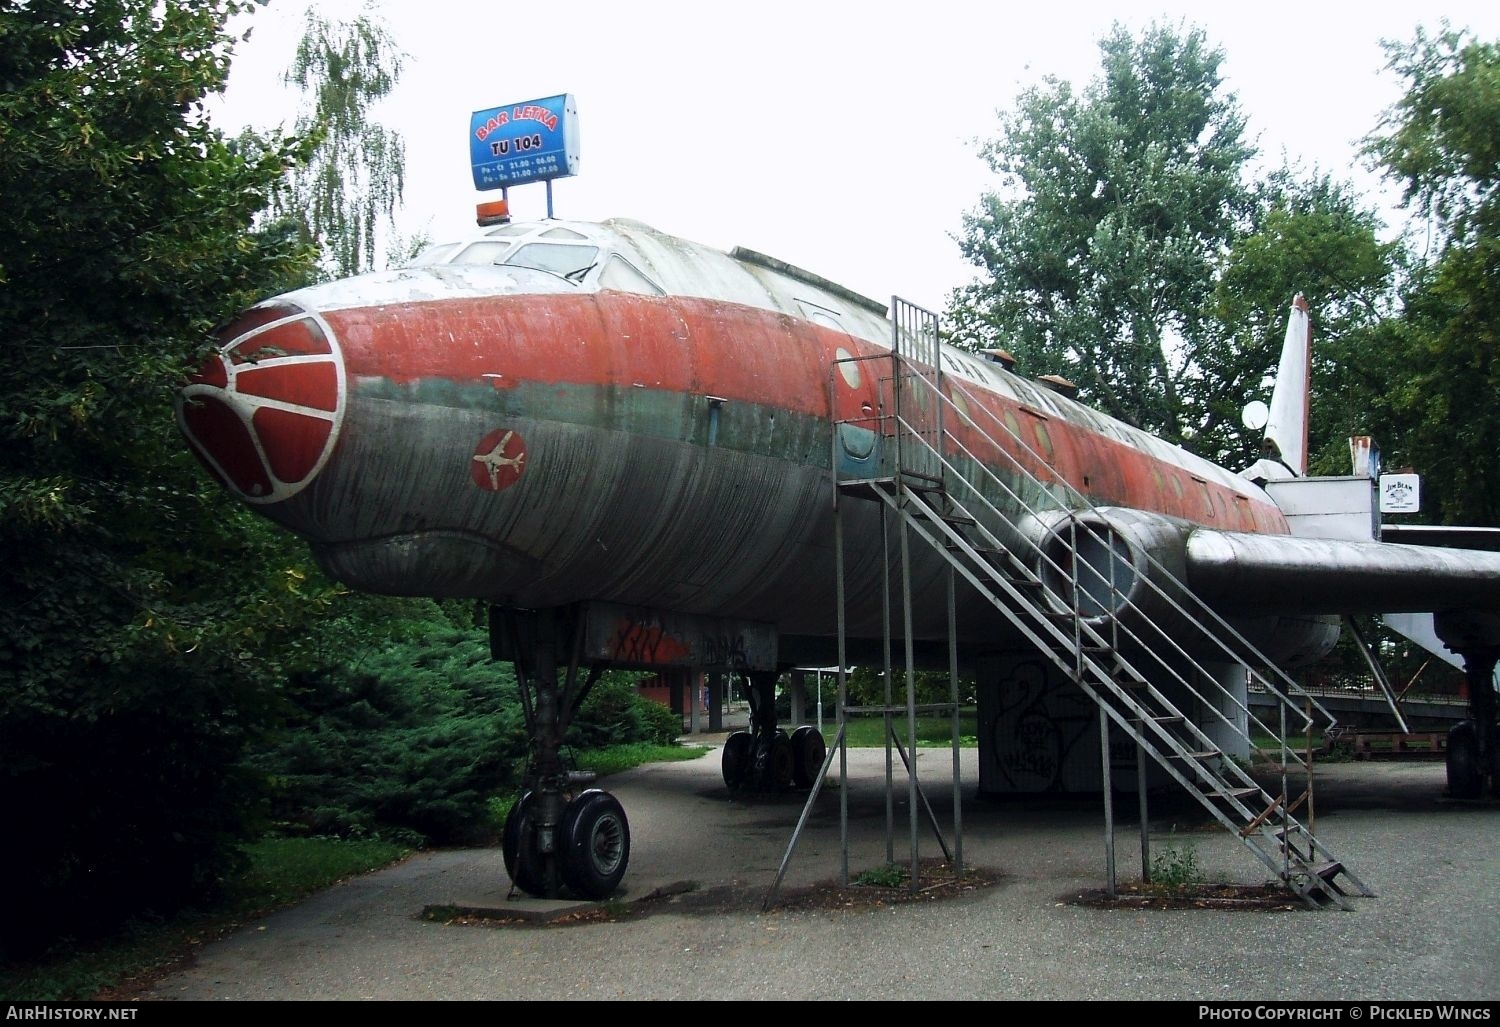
(615, 758)
(869, 732)
(281, 871)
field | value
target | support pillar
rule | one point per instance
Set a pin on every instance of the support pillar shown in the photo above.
(716, 701)
(694, 684)
(674, 691)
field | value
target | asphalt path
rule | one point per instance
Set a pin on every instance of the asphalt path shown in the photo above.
(690, 924)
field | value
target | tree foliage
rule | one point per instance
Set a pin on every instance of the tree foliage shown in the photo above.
(1439, 411)
(130, 667)
(1315, 237)
(1099, 251)
(346, 195)
(1128, 249)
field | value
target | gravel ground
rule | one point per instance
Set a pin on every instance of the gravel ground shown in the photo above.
(1430, 934)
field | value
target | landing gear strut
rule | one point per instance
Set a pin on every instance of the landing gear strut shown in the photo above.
(765, 758)
(560, 834)
(1474, 745)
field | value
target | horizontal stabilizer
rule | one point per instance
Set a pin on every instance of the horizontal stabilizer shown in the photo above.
(1243, 572)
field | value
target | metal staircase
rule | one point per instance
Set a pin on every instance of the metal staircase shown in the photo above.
(1046, 560)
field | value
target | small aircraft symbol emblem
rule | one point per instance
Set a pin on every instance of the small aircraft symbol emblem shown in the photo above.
(498, 460)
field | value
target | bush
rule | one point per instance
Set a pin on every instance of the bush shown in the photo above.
(408, 744)
(413, 741)
(614, 713)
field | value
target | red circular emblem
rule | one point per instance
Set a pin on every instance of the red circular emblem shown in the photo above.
(498, 460)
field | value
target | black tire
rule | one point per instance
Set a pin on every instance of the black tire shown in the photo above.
(510, 837)
(1495, 762)
(528, 868)
(596, 844)
(738, 759)
(779, 763)
(808, 751)
(1465, 777)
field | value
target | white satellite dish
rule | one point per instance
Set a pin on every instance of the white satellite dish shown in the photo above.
(1256, 415)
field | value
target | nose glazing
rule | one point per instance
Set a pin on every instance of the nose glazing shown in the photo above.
(263, 414)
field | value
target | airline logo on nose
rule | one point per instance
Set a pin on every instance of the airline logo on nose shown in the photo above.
(263, 414)
(498, 460)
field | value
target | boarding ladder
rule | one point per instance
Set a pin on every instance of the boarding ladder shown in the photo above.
(965, 482)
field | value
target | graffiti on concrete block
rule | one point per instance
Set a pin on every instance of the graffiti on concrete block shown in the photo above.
(725, 651)
(1037, 728)
(648, 642)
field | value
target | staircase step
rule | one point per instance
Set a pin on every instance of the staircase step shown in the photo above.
(874, 488)
(1328, 871)
(1030, 584)
(1232, 793)
(1204, 754)
(919, 476)
(957, 520)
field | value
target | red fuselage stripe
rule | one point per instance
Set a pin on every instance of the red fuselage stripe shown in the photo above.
(613, 340)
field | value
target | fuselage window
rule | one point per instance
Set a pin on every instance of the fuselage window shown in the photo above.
(1043, 441)
(559, 258)
(622, 275)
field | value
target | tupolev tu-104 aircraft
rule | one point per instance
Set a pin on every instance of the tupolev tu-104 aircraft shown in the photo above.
(643, 452)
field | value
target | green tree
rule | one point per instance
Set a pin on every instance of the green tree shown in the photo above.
(136, 599)
(1100, 249)
(1311, 236)
(1440, 411)
(347, 193)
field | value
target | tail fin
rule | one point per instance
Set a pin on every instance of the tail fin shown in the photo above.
(1284, 451)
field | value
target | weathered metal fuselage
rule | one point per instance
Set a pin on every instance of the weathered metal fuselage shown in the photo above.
(537, 439)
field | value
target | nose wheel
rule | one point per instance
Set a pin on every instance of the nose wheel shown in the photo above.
(595, 844)
(589, 850)
(560, 837)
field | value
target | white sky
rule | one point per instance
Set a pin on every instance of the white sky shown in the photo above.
(837, 136)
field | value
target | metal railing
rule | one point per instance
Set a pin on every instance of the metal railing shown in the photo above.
(1013, 533)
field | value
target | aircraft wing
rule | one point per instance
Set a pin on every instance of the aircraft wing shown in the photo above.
(1237, 571)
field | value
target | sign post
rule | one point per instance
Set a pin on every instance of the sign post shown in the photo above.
(534, 141)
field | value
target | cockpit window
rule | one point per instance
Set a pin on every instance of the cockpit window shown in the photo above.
(562, 233)
(510, 229)
(432, 255)
(559, 258)
(487, 251)
(621, 274)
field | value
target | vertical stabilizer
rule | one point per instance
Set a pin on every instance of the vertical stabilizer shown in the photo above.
(1286, 431)
(1284, 451)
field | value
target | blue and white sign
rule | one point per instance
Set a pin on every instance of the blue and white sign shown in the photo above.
(524, 142)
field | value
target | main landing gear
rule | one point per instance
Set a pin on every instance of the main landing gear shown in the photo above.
(765, 758)
(561, 835)
(1474, 744)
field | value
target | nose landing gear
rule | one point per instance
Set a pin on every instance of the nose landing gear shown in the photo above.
(560, 836)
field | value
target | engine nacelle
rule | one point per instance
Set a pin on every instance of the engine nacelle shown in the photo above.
(1133, 566)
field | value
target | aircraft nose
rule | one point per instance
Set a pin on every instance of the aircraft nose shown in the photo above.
(263, 414)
